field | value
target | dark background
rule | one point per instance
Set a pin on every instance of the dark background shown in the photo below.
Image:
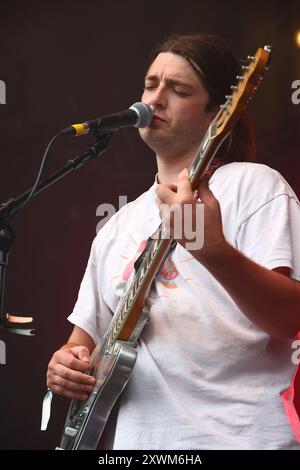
(67, 61)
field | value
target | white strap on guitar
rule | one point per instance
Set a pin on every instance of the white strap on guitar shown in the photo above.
(46, 409)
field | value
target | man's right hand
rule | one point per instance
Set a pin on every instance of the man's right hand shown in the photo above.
(66, 373)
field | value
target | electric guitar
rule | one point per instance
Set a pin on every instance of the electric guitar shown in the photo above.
(114, 357)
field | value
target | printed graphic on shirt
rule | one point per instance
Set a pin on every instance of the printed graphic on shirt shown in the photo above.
(168, 274)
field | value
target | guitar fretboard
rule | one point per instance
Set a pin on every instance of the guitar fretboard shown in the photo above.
(124, 309)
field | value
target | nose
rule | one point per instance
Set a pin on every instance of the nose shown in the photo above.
(156, 98)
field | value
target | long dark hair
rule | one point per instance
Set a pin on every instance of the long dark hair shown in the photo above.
(217, 69)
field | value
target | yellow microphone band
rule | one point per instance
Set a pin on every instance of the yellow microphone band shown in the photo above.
(79, 129)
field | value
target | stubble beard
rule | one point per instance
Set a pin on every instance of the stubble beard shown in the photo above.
(153, 138)
(168, 146)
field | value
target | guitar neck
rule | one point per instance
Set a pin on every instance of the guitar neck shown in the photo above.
(131, 305)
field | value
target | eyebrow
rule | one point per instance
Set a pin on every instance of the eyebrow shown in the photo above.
(169, 81)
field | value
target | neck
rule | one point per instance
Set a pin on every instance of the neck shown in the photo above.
(168, 169)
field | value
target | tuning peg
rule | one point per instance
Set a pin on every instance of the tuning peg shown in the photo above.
(250, 57)
(234, 87)
(245, 67)
(270, 50)
(240, 78)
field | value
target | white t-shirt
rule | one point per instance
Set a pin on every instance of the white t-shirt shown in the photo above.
(206, 377)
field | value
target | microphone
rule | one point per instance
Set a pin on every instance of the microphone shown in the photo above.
(138, 115)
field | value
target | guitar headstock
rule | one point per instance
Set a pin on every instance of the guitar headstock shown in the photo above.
(242, 91)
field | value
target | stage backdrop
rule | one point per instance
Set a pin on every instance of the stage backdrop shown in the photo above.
(66, 61)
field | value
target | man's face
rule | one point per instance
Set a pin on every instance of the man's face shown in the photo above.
(178, 100)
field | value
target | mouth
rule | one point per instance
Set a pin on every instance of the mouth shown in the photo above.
(158, 118)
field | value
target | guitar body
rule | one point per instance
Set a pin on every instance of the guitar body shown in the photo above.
(86, 419)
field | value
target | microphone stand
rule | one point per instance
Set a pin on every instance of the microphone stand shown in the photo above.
(15, 323)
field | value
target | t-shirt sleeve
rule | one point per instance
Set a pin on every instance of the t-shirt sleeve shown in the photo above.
(270, 235)
(90, 311)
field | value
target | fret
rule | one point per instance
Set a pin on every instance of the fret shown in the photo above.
(122, 313)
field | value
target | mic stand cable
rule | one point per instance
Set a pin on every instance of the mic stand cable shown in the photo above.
(12, 207)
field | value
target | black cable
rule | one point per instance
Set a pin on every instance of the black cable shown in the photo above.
(37, 181)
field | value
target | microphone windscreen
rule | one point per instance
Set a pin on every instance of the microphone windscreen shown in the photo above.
(144, 113)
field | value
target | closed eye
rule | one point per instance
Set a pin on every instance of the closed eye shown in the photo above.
(181, 93)
(178, 92)
(149, 87)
